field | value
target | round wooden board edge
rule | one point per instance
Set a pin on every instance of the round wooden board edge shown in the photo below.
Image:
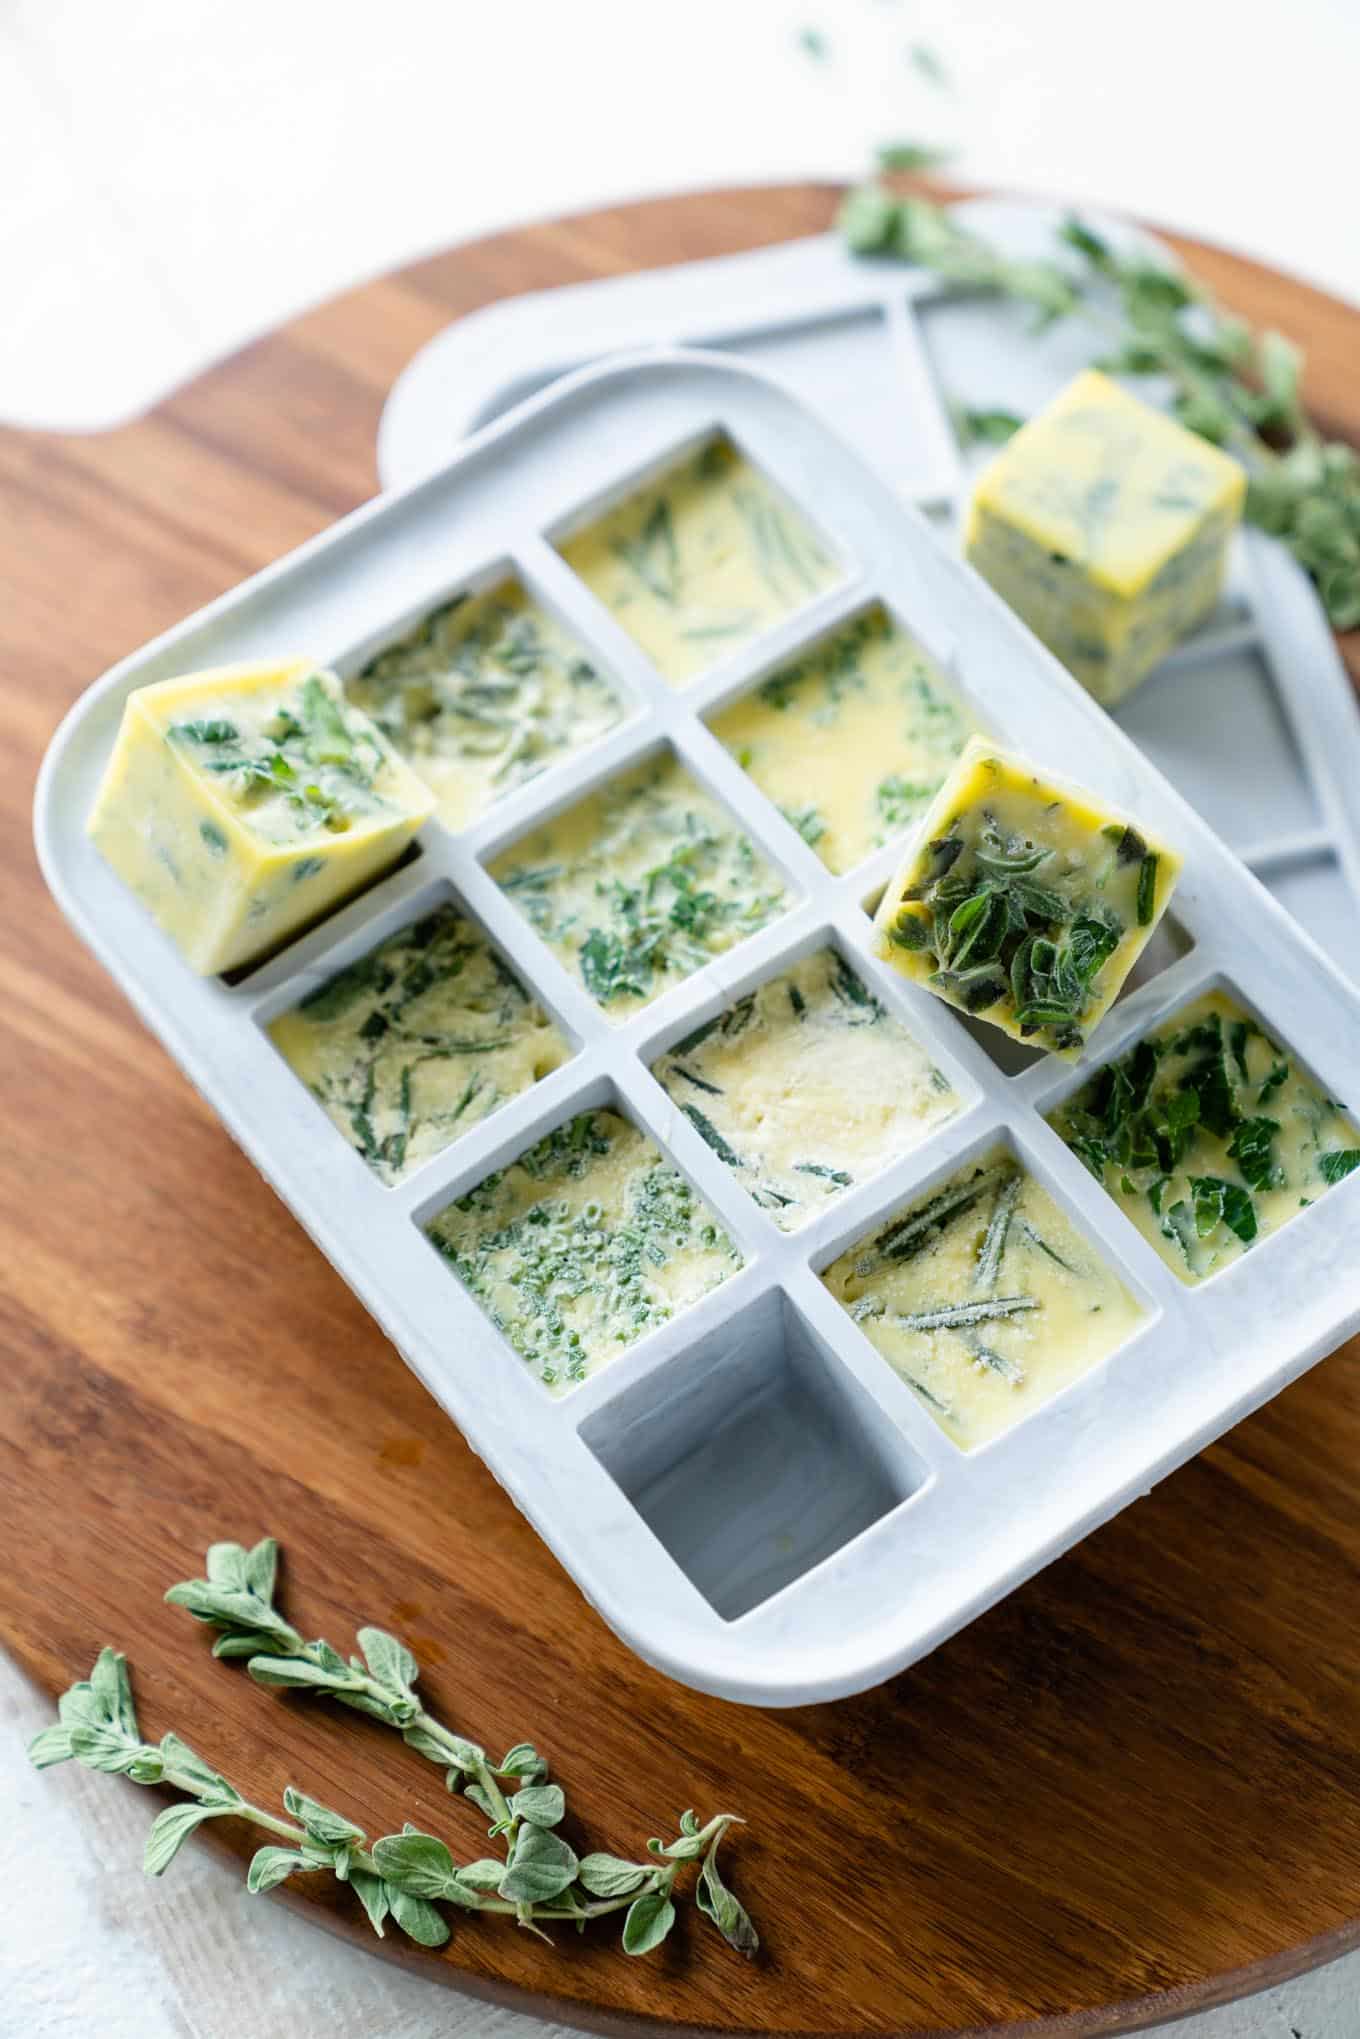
(1132, 2016)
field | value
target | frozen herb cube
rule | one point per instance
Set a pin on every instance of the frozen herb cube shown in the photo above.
(1022, 902)
(584, 1244)
(805, 1087)
(696, 563)
(985, 1298)
(243, 802)
(1105, 525)
(1209, 1136)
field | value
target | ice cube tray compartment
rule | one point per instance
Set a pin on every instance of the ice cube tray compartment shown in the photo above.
(909, 1536)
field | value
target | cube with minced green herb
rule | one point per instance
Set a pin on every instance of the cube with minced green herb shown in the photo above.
(1105, 525)
(1209, 1136)
(581, 1246)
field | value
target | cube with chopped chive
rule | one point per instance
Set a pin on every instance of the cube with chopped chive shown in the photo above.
(985, 1298)
(1209, 1135)
(584, 1244)
(696, 563)
(1024, 902)
(1105, 525)
(243, 802)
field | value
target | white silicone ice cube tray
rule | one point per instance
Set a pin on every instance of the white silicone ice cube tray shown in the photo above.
(754, 1452)
(1254, 719)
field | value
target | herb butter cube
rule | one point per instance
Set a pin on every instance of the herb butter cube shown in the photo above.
(852, 741)
(482, 695)
(1023, 902)
(1209, 1136)
(985, 1298)
(417, 1041)
(806, 1086)
(1105, 525)
(584, 1244)
(241, 803)
(700, 561)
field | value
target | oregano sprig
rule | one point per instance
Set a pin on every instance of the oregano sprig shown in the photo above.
(538, 1878)
(1234, 386)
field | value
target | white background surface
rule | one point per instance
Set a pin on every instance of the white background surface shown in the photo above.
(177, 175)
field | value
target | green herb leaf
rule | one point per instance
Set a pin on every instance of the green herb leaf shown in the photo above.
(730, 1917)
(417, 1918)
(272, 1866)
(1340, 1163)
(388, 1660)
(169, 1832)
(611, 1876)
(649, 1920)
(541, 1804)
(541, 1867)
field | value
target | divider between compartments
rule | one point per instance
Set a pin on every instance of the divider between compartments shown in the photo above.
(941, 482)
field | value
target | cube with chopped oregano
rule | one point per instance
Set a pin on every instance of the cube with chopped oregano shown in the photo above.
(418, 1041)
(697, 562)
(482, 695)
(242, 803)
(851, 741)
(1209, 1135)
(1022, 902)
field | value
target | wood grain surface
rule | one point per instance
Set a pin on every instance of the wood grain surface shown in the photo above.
(1132, 1789)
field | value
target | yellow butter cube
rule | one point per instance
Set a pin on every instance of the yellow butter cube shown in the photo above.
(1105, 525)
(241, 803)
(1023, 902)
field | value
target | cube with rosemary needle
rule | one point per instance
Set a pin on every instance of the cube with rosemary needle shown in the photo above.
(241, 803)
(1105, 525)
(1024, 902)
(985, 1298)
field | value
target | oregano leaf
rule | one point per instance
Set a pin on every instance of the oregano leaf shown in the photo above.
(53, 1745)
(371, 1892)
(271, 1866)
(541, 1867)
(543, 1805)
(649, 1919)
(170, 1830)
(417, 1918)
(388, 1660)
(611, 1876)
(416, 1862)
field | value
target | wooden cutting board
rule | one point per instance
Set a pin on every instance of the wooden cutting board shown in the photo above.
(1132, 1789)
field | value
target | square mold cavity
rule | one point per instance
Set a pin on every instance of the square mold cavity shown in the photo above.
(1316, 894)
(754, 1456)
(865, 722)
(806, 1086)
(582, 1243)
(985, 1295)
(482, 691)
(1208, 1134)
(1188, 717)
(641, 883)
(416, 1038)
(699, 558)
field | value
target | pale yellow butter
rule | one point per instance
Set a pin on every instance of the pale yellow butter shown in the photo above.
(985, 1298)
(701, 560)
(242, 803)
(805, 1087)
(851, 743)
(1022, 902)
(1105, 525)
